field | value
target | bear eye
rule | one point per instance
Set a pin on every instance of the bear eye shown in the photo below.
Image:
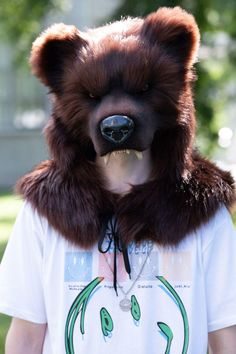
(145, 88)
(94, 97)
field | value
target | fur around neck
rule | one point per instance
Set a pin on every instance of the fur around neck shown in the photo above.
(164, 209)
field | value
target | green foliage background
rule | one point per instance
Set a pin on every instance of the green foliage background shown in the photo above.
(20, 23)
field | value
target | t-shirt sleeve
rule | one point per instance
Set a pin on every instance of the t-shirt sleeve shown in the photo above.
(219, 262)
(21, 290)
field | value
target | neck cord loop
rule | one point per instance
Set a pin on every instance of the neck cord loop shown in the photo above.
(110, 233)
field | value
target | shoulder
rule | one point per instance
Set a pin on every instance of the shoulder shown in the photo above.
(222, 217)
(29, 226)
(29, 213)
(219, 229)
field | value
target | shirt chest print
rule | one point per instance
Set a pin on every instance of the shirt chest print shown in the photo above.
(80, 304)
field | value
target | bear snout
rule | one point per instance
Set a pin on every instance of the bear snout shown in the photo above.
(117, 128)
(121, 122)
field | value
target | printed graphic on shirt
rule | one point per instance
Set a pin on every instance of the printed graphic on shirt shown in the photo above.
(165, 329)
(81, 267)
(106, 265)
(151, 266)
(176, 265)
(78, 266)
(182, 311)
(80, 304)
(106, 322)
(78, 307)
(135, 309)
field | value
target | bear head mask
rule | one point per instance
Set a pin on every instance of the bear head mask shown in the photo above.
(124, 86)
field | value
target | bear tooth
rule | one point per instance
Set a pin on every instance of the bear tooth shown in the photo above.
(106, 158)
(139, 154)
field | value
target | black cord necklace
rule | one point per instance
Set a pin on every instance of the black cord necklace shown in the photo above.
(110, 233)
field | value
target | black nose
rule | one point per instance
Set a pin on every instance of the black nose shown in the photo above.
(117, 129)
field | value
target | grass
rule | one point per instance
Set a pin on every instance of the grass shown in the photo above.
(9, 207)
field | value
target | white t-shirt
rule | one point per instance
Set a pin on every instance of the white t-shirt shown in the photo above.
(181, 294)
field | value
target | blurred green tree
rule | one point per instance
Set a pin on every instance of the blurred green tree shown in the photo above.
(216, 69)
(21, 21)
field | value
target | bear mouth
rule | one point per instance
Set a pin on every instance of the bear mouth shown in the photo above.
(124, 154)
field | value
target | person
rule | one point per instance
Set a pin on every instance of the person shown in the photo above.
(30, 284)
(124, 243)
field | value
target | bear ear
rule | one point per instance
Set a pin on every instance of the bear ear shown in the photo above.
(51, 50)
(175, 30)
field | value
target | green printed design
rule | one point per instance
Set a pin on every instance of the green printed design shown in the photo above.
(79, 305)
(182, 310)
(168, 333)
(106, 322)
(135, 308)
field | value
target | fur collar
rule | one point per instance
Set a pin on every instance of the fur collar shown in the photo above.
(163, 210)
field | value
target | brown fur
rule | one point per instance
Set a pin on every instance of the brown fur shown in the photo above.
(105, 72)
